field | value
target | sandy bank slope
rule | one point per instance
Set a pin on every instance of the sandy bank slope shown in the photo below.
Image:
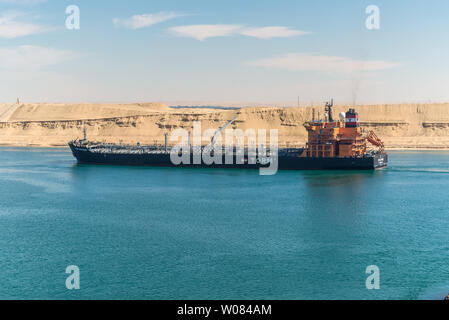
(53, 111)
(401, 126)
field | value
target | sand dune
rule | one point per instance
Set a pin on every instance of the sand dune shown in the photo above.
(400, 126)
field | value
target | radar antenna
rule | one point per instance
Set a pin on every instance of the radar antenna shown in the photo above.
(328, 109)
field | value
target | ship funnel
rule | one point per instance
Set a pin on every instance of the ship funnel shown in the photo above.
(352, 119)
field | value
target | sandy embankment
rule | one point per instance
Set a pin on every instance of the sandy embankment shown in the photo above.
(400, 126)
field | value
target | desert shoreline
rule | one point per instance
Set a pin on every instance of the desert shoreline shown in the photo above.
(51, 125)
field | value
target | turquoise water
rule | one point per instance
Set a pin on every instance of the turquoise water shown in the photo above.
(161, 233)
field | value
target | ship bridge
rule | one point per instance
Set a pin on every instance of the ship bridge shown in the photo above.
(341, 138)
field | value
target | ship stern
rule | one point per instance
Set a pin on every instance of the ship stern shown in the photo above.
(380, 161)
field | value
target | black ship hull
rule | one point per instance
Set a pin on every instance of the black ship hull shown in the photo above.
(371, 162)
(286, 160)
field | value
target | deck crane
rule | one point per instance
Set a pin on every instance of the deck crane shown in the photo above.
(218, 133)
(375, 141)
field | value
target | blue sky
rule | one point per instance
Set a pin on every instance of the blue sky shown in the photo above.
(267, 52)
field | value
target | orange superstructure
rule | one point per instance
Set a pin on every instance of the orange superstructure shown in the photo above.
(339, 139)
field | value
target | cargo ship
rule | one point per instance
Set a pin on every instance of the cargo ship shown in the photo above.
(332, 145)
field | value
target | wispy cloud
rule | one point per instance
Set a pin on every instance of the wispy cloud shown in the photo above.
(322, 63)
(32, 57)
(272, 32)
(145, 20)
(13, 26)
(23, 2)
(204, 31)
